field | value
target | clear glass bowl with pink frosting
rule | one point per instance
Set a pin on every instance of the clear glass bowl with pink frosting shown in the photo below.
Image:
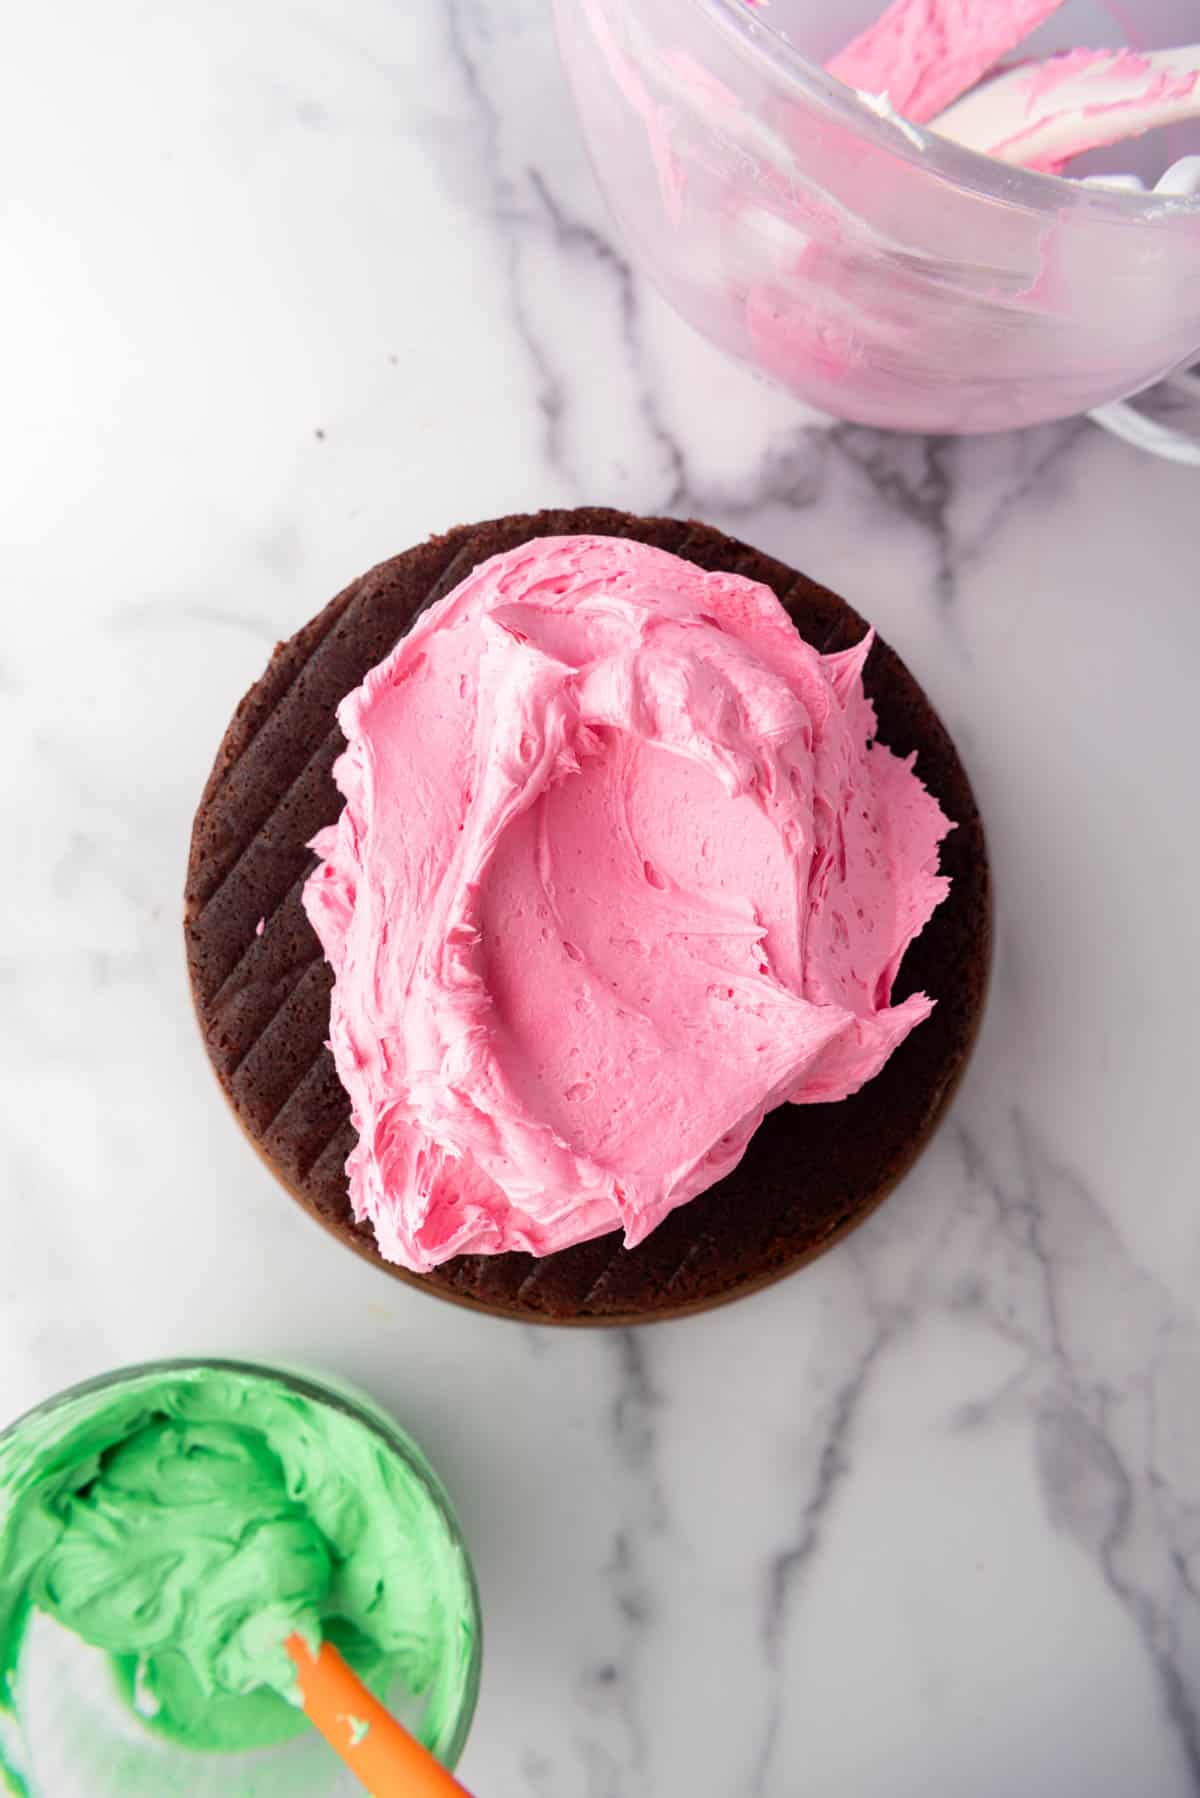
(880, 272)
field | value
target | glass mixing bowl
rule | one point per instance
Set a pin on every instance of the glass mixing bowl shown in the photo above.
(881, 273)
(75, 1733)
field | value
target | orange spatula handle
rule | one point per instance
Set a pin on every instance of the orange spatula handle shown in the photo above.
(380, 1752)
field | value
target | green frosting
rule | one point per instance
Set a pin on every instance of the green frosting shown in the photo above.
(187, 1520)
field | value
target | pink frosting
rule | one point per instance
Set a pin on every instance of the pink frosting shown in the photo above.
(925, 54)
(1063, 118)
(620, 869)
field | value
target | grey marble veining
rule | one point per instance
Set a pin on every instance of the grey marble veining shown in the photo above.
(287, 289)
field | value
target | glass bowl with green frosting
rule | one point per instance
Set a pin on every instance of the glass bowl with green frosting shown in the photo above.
(163, 1529)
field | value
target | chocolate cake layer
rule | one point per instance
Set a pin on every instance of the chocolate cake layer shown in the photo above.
(811, 1173)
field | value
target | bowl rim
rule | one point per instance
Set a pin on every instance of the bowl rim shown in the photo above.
(973, 170)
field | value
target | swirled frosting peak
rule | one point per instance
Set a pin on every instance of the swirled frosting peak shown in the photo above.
(620, 869)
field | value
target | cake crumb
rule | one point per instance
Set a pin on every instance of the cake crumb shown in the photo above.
(260, 927)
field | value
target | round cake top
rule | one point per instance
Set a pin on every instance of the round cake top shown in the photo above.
(262, 986)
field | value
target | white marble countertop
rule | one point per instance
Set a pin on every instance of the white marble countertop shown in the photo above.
(287, 287)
